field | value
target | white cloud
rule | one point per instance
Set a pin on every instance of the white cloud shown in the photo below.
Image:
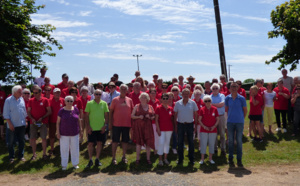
(85, 13)
(61, 2)
(261, 19)
(124, 47)
(195, 62)
(40, 19)
(195, 43)
(249, 59)
(166, 38)
(268, 1)
(243, 33)
(85, 36)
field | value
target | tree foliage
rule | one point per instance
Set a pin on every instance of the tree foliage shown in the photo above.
(22, 43)
(246, 81)
(286, 22)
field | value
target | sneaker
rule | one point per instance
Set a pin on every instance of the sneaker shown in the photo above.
(174, 151)
(212, 162)
(97, 162)
(284, 130)
(160, 163)
(26, 137)
(76, 167)
(278, 130)
(201, 162)
(64, 168)
(90, 164)
(199, 149)
(260, 140)
(166, 162)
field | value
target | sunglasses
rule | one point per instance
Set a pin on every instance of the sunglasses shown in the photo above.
(111, 87)
(165, 98)
(207, 101)
(70, 101)
(27, 93)
(174, 90)
(47, 90)
(97, 94)
(35, 92)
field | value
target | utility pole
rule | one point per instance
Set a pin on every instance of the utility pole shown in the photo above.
(229, 70)
(137, 60)
(220, 39)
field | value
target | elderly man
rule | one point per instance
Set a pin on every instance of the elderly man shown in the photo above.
(135, 94)
(236, 107)
(137, 74)
(85, 82)
(191, 80)
(66, 92)
(40, 80)
(181, 83)
(47, 83)
(96, 118)
(15, 115)
(38, 112)
(120, 122)
(185, 111)
(174, 80)
(289, 84)
(296, 82)
(64, 84)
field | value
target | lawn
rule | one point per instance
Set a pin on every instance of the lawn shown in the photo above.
(276, 149)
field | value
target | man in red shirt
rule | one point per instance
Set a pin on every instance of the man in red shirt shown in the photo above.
(174, 80)
(223, 81)
(241, 91)
(38, 112)
(64, 84)
(137, 74)
(191, 80)
(56, 103)
(155, 79)
(47, 83)
(66, 92)
(159, 86)
(135, 94)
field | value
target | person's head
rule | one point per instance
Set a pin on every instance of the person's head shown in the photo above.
(296, 80)
(222, 78)
(185, 94)
(164, 87)
(22, 85)
(188, 86)
(152, 93)
(199, 87)
(69, 101)
(26, 93)
(164, 98)
(297, 87)
(98, 94)
(214, 80)
(99, 86)
(130, 87)
(207, 101)
(190, 79)
(37, 91)
(144, 98)
(56, 93)
(136, 87)
(239, 82)
(84, 91)
(171, 97)
(16, 91)
(48, 90)
(284, 72)
(137, 73)
(280, 83)
(43, 71)
(215, 88)
(86, 80)
(113, 79)
(151, 85)
(155, 77)
(159, 82)
(145, 82)
(175, 90)
(197, 94)
(116, 76)
(65, 78)
(207, 85)
(269, 86)
(123, 89)
(254, 90)
(140, 80)
(258, 82)
(180, 78)
(231, 79)
(47, 80)
(111, 87)
(70, 84)
(233, 87)
(73, 92)
(174, 80)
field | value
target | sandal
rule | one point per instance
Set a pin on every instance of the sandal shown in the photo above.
(11, 160)
(124, 160)
(137, 162)
(45, 157)
(114, 162)
(33, 157)
(50, 152)
(149, 162)
(23, 159)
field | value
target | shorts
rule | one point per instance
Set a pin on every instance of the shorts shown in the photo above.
(52, 130)
(35, 129)
(96, 136)
(1, 120)
(255, 117)
(116, 133)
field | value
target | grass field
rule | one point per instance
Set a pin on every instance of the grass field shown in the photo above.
(276, 149)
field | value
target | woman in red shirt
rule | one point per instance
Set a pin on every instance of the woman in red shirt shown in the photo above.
(154, 103)
(255, 114)
(208, 119)
(197, 95)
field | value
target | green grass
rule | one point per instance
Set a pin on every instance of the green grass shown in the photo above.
(276, 149)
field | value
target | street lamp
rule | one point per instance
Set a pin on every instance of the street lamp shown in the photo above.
(229, 69)
(137, 60)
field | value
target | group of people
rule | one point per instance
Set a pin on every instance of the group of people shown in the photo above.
(147, 113)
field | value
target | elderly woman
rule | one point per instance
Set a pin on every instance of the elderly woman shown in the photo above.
(296, 101)
(197, 98)
(218, 100)
(69, 130)
(281, 104)
(198, 87)
(175, 90)
(154, 103)
(141, 81)
(255, 114)
(142, 116)
(26, 96)
(164, 120)
(269, 96)
(208, 119)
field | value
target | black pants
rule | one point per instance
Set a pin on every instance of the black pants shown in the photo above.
(290, 113)
(296, 122)
(283, 115)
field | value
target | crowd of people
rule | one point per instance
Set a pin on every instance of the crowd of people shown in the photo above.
(146, 113)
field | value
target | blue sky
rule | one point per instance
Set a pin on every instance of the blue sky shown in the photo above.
(175, 37)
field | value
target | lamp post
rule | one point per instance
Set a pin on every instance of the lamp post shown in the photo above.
(229, 70)
(137, 60)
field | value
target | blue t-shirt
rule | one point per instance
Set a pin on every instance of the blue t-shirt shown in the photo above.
(219, 99)
(235, 108)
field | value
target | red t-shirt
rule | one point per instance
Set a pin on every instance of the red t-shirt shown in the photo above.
(199, 104)
(154, 104)
(39, 109)
(107, 89)
(43, 88)
(132, 81)
(61, 86)
(77, 103)
(165, 118)
(135, 97)
(242, 92)
(158, 91)
(55, 105)
(65, 92)
(171, 86)
(281, 103)
(192, 87)
(208, 118)
(122, 108)
(2, 99)
(257, 109)
(84, 102)
(51, 96)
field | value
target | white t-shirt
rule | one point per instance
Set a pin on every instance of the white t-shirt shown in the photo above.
(288, 83)
(269, 98)
(39, 81)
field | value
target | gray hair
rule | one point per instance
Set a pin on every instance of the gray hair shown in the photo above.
(185, 90)
(222, 76)
(84, 88)
(26, 90)
(15, 89)
(197, 91)
(69, 98)
(146, 95)
(199, 87)
(136, 84)
(99, 91)
(206, 97)
(215, 85)
(151, 83)
(123, 85)
(175, 88)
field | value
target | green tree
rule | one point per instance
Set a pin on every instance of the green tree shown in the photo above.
(286, 22)
(22, 43)
(246, 81)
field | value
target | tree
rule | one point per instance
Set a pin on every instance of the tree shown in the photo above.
(22, 43)
(286, 22)
(247, 81)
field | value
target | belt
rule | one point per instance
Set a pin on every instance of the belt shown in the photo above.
(186, 123)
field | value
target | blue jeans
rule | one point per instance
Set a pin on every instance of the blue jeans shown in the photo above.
(235, 128)
(174, 144)
(19, 135)
(189, 130)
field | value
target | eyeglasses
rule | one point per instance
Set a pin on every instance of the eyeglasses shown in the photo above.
(207, 101)
(111, 87)
(174, 90)
(69, 101)
(215, 89)
(97, 94)
(27, 93)
(165, 98)
(36, 92)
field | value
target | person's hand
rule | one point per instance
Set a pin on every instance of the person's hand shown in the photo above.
(89, 131)
(33, 121)
(280, 93)
(141, 117)
(158, 131)
(147, 116)
(40, 120)
(212, 128)
(103, 129)
(11, 127)
(81, 134)
(58, 135)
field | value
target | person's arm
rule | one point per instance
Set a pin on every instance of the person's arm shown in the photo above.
(80, 113)
(79, 83)
(201, 124)
(111, 113)
(80, 128)
(216, 124)
(294, 98)
(133, 116)
(87, 123)
(29, 115)
(245, 111)
(157, 125)
(105, 121)
(175, 121)
(219, 105)
(57, 127)
(46, 115)
(10, 125)
(196, 116)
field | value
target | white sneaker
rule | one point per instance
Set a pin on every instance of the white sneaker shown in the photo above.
(174, 151)
(284, 130)
(166, 162)
(64, 168)
(201, 162)
(278, 130)
(26, 137)
(76, 167)
(160, 163)
(212, 162)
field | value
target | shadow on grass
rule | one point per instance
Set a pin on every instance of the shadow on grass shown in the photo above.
(239, 171)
